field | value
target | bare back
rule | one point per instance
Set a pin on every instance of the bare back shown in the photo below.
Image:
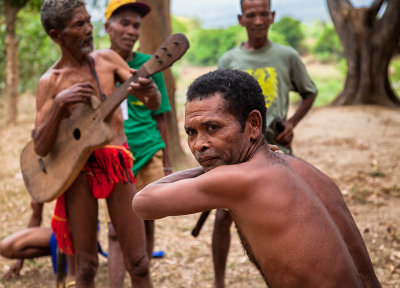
(298, 227)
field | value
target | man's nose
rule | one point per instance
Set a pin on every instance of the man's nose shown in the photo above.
(131, 30)
(259, 19)
(89, 28)
(202, 143)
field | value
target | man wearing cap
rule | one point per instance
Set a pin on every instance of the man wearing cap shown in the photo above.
(145, 127)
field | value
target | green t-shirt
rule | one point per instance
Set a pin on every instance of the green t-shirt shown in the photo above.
(144, 139)
(278, 69)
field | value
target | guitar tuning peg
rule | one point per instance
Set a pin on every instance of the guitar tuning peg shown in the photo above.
(164, 48)
(169, 54)
(176, 43)
(159, 61)
(157, 57)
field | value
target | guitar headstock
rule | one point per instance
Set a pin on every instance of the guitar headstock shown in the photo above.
(171, 50)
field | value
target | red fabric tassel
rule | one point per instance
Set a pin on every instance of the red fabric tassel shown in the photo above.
(106, 167)
(59, 225)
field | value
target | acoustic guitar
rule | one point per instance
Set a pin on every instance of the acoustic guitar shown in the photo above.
(87, 129)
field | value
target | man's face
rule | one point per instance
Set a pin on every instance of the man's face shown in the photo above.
(256, 17)
(124, 30)
(214, 135)
(77, 35)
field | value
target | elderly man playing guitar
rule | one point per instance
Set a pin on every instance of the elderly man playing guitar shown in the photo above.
(81, 78)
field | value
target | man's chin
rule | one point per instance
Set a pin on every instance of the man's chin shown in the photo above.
(86, 50)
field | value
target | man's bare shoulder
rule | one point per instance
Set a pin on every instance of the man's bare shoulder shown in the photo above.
(106, 55)
(48, 80)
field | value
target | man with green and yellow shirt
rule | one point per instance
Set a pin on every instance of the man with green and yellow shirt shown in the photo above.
(279, 70)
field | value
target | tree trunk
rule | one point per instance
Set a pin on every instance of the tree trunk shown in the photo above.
(156, 27)
(369, 42)
(12, 77)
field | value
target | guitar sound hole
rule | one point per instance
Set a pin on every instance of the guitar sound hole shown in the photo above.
(77, 134)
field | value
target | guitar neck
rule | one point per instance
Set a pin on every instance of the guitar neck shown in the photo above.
(120, 93)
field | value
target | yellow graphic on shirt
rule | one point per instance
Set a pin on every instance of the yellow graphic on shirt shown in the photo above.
(268, 80)
(137, 103)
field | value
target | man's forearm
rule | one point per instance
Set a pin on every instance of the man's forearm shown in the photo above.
(181, 175)
(45, 134)
(302, 110)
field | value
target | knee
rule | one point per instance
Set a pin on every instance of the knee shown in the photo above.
(138, 267)
(6, 249)
(86, 267)
(223, 219)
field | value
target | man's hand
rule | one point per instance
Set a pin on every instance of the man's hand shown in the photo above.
(14, 270)
(78, 93)
(286, 137)
(275, 148)
(146, 91)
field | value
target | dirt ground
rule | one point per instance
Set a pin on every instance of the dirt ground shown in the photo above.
(357, 146)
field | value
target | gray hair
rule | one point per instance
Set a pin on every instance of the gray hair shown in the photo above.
(54, 14)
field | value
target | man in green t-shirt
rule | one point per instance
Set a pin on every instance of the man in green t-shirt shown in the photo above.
(145, 127)
(279, 70)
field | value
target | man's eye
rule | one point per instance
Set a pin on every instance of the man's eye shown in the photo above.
(212, 128)
(250, 15)
(190, 132)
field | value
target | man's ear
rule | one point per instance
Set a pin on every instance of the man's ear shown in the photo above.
(107, 27)
(240, 19)
(56, 36)
(272, 17)
(254, 124)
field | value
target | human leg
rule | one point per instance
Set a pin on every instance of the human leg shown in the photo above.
(130, 233)
(149, 173)
(116, 267)
(221, 239)
(27, 243)
(82, 218)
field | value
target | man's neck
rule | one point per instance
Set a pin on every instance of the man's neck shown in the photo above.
(256, 146)
(255, 44)
(126, 55)
(73, 59)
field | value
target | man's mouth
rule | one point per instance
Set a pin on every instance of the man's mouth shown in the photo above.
(207, 160)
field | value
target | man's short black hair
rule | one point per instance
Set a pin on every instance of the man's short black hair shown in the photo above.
(55, 14)
(240, 91)
(241, 4)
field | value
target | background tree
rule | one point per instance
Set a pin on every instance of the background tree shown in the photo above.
(369, 37)
(11, 8)
(156, 27)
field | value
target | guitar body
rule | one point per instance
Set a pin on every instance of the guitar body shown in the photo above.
(77, 138)
(87, 129)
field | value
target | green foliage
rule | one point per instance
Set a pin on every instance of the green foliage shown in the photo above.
(328, 46)
(208, 45)
(291, 30)
(36, 51)
(394, 75)
(184, 25)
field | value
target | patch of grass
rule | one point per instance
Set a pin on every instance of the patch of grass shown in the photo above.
(328, 89)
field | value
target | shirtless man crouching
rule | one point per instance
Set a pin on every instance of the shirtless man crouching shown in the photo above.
(293, 221)
(71, 81)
